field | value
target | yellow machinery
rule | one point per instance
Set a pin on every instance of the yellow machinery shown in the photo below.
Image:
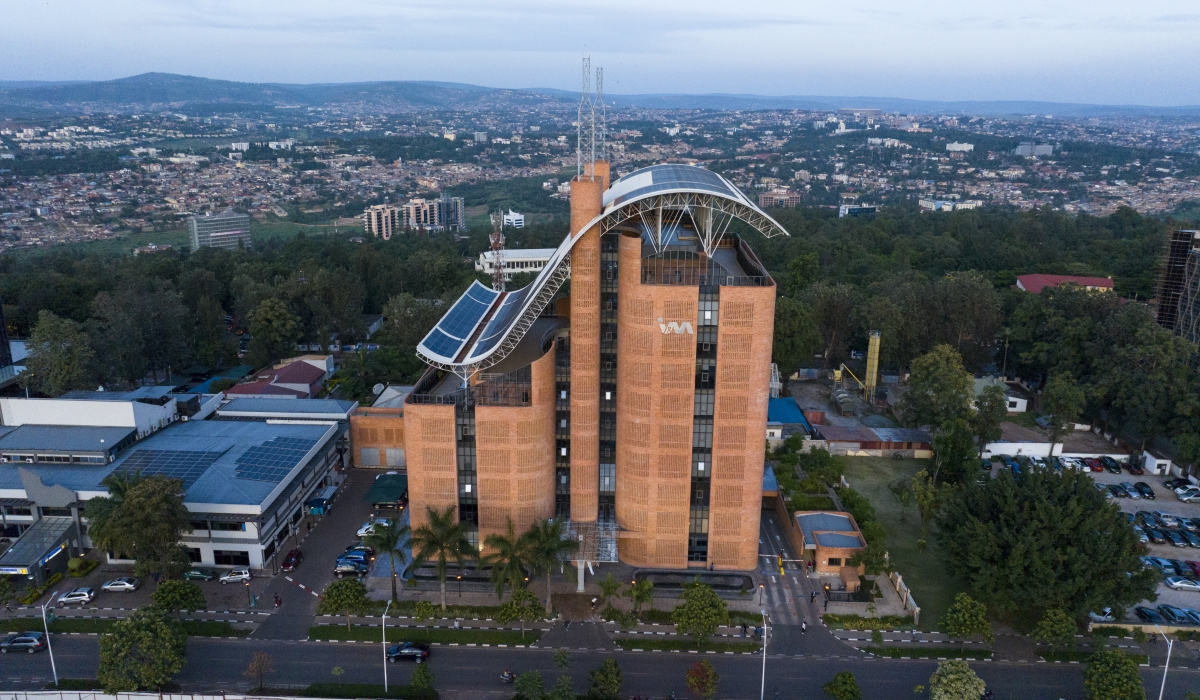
(872, 367)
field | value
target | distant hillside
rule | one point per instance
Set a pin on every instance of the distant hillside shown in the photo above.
(168, 91)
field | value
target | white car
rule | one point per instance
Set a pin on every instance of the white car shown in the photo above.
(1104, 615)
(1183, 583)
(81, 595)
(125, 584)
(1188, 494)
(369, 526)
(235, 576)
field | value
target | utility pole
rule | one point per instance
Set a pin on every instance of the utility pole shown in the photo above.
(49, 648)
(385, 656)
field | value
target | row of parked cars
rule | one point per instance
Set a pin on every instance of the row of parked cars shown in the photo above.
(1017, 463)
(1167, 614)
(1183, 489)
(1163, 528)
(1180, 575)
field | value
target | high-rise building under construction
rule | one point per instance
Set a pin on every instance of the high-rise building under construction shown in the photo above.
(1179, 285)
(634, 406)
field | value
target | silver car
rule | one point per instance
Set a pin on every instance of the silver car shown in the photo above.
(82, 595)
(125, 584)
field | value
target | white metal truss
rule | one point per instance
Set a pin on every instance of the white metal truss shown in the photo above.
(712, 214)
(597, 540)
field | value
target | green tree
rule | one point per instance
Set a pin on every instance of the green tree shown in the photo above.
(1062, 402)
(641, 592)
(562, 658)
(605, 682)
(530, 686)
(422, 678)
(803, 270)
(928, 499)
(8, 595)
(389, 540)
(145, 520)
(954, 451)
(965, 618)
(345, 597)
(795, 339)
(273, 332)
(954, 680)
(423, 611)
(702, 678)
(506, 559)
(1046, 540)
(939, 390)
(1112, 675)
(843, 687)
(441, 540)
(1056, 628)
(991, 410)
(833, 313)
(60, 356)
(609, 588)
(143, 652)
(701, 612)
(522, 605)
(406, 319)
(563, 689)
(873, 557)
(819, 464)
(177, 594)
(547, 546)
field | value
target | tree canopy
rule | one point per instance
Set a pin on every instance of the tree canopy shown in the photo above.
(143, 652)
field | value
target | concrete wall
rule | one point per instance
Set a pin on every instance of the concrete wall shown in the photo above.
(432, 459)
(514, 463)
(131, 414)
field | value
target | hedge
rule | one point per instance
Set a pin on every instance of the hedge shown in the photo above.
(858, 622)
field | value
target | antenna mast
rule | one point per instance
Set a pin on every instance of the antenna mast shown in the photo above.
(585, 125)
(497, 241)
(600, 125)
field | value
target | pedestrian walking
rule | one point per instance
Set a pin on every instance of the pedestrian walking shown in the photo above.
(803, 626)
(744, 628)
(812, 595)
(278, 601)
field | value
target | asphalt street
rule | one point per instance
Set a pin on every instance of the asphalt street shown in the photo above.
(215, 664)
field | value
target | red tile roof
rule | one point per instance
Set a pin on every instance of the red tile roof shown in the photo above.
(293, 373)
(261, 388)
(1034, 284)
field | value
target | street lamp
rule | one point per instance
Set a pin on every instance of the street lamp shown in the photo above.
(1167, 665)
(46, 627)
(385, 658)
(762, 689)
(249, 597)
(760, 593)
(460, 585)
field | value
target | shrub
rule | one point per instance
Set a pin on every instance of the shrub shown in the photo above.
(857, 622)
(857, 505)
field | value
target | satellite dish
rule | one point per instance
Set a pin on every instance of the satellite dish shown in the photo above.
(377, 389)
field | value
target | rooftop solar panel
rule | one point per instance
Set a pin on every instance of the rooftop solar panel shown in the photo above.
(496, 328)
(272, 460)
(185, 465)
(456, 327)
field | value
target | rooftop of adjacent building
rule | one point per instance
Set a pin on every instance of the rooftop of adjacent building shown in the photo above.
(262, 408)
(829, 529)
(1035, 283)
(62, 438)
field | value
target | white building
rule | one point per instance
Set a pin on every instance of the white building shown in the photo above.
(515, 261)
(514, 219)
(960, 147)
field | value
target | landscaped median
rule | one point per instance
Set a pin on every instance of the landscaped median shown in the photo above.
(685, 645)
(1084, 657)
(84, 625)
(462, 637)
(925, 651)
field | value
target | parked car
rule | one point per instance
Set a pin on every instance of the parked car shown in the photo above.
(1130, 517)
(200, 574)
(369, 526)
(1117, 491)
(1176, 538)
(1192, 524)
(1133, 467)
(1189, 494)
(1131, 489)
(408, 650)
(1105, 615)
(1193, 615)
(1163, 565)
(1104, 490)
(1093, 464)
(346, 567)
(1149, 615)
(1192, 538)
(362, 546)
(1144, 489)
(1166, 519)
(1183, 583)
(1179, 568)
(1173, 615)
(82, 595)
(357, 555)
(125, 584)
(236, 576)
(1156, 536)
(986, 465)
(1110, 464)
(292, 560)
(1148, 519)
(1141, 533)
(26, 641)
(1176, 482)
(1194, 566)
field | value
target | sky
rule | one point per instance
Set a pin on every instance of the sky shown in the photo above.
(1092, 51)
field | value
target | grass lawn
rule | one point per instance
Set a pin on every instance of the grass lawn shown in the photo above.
(685, 645)
(443, 636)
(924, 572)
(63, 625)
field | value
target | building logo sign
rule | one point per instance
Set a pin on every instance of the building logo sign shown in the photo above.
(675, 327)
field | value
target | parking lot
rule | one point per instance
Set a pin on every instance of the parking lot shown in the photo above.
(1166, 502)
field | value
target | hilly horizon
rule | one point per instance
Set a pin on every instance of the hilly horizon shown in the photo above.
(162, 90)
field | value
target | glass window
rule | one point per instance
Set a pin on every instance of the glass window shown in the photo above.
(231, 557)
(194, 555)
(835, 561)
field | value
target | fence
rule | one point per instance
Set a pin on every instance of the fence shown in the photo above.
(905, 595)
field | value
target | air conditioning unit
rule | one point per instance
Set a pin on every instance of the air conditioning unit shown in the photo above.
(29, 460)
(3, 460)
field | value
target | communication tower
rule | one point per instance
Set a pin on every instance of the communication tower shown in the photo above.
(497, 241)
(590, 130)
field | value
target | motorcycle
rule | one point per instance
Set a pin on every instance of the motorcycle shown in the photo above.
(508, 677)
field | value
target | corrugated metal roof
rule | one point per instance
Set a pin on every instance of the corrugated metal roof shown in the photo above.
(63, 438)
(307, 408)
(834, 521)
(145, 392)
(846, 433)
(837, 539)
(901, 435)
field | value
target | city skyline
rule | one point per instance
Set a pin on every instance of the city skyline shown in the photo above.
(1100, 53)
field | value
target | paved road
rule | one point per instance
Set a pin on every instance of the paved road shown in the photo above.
(473, 672)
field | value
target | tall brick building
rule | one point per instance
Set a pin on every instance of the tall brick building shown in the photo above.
(635, 405)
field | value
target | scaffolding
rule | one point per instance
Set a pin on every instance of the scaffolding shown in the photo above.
(1187, 324)
(1171, 281)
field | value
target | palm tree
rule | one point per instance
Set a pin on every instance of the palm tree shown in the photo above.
(640, 593)
(387, 540)
(100, 510)
(547, 548)
(507, 559)
(443, 538)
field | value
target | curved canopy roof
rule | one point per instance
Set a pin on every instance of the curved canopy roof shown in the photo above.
(483, 326)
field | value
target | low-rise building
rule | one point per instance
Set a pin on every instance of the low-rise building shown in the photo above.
(516, 261)
(1034, 284)
(829, 540)
(1016, 402)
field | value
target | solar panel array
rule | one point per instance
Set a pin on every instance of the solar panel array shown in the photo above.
(272, 460)
(185, 465)
(452, 332)
(498, 327)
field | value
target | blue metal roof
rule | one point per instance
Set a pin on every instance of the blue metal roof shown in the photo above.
(832, 521)
(770, 483)
(838, 539)
(63, 438)
(785, 410)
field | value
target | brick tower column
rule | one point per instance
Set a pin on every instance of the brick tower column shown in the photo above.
(586, 194)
